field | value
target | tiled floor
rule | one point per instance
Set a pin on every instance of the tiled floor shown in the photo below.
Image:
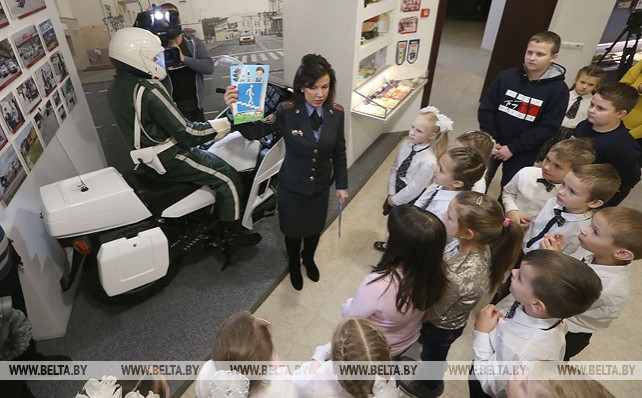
(303, 320)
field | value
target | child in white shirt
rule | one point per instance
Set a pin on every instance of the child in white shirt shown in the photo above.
(354, 339)
(456, 171)
(413, 168)
(549, 286)
(587, 80)
(484, 143)
(526, 193)
(613, 241)
(584, 189)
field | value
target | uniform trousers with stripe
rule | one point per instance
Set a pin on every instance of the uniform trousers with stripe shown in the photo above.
(201, 167)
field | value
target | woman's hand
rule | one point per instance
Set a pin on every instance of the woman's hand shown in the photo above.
(342, 195)
(231, 95)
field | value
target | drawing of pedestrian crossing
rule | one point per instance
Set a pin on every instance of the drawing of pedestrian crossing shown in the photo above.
(256, 57)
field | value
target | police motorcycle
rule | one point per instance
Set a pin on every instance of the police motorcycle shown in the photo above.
(133, 226)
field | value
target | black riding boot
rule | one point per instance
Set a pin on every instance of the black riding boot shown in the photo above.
(235, 234)
(293, 245)
(309, 248)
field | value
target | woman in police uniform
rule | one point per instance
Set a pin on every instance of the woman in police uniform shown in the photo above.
(312, 126)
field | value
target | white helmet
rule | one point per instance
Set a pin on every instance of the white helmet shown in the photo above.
(140, 49)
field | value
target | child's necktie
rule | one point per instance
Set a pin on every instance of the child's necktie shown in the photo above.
(572, 110)
(557, 218)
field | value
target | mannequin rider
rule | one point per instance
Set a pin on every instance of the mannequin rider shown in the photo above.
(164, 141)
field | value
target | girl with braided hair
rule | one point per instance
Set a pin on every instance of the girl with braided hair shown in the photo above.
(354, 339)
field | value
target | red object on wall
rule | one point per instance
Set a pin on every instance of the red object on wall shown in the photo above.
(425, 12)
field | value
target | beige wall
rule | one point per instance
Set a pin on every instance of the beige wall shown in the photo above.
(75, 40)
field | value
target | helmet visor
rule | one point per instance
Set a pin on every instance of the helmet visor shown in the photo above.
(160, 59)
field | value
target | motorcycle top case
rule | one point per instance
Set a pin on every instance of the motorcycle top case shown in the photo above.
(108, 202)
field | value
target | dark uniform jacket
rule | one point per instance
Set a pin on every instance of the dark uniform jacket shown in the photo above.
(309, 166)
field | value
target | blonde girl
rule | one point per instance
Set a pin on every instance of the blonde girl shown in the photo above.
(412, 170)
(354, 339)
(484, 247)
(241, 338)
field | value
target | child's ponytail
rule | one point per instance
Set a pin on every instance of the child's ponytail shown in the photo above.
(485, 216)
(504, 252)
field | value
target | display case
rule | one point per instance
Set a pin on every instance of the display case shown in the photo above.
(387, 91)
(367, 44)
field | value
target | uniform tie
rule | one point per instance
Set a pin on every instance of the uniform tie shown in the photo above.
(402, 170)
(432, 196)
(315, 120)
(572, 111)
(549, 185)
(557, 218)
(511, 310)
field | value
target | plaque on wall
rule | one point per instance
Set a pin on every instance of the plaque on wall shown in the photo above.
(12, 174)
(23, 8)
(9, 68)
(30, 49)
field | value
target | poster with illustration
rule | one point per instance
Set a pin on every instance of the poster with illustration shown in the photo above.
(46, 121)
(59, 66)
(30, 49)
(3, 17)
(9, 68)
(11, 112)
(48, 35)
(23, 8)
(29, 95)
(29, 145)
(45, 79)
(69, 94)
(12, 174)
(410, 5)
(251, 81)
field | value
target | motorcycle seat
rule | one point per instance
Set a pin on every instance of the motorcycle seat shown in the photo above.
(156, 193)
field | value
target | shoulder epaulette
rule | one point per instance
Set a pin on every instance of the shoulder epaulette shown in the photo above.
(338, 107)
(287, 105)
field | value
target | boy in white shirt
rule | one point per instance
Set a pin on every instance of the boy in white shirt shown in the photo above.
(584, 189)
(526, 193)
(548, 287)
(613, 240)
(587, 80)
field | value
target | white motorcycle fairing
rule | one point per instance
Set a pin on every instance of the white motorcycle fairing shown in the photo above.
(101, 200)
(126, 264)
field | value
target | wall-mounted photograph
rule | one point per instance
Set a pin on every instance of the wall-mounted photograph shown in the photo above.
(9, 68)
(29, 95)
(3, 139)
(45, 78)
(29, 46)
(59, 66)
(46, 121)
(56, 97)
(62, 113)
(3, 17)
(12, 174)
(23, 8)
(29, 145)
(408, 25)
(70, 94)
(48, 34)
(410, 5)
(11, 112)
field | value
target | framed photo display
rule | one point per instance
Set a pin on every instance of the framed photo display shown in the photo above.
(3, 17)
(30, 49)
(48, 35)
(11, 112)
(9, 67)
(23, 8)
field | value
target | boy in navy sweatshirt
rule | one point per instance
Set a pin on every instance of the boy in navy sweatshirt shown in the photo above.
(524, 107)
(611, 139)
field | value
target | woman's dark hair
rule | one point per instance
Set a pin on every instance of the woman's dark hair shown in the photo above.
(415, 247)
(312, 68)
